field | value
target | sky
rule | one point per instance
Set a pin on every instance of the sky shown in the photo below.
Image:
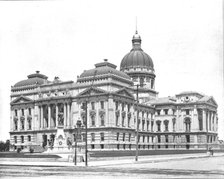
(184, 38)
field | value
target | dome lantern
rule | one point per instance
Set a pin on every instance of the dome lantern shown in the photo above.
(136, 42)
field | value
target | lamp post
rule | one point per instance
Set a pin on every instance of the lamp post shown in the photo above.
(84, 107)
(77, 134)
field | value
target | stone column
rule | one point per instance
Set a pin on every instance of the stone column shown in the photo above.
(56, 116)
(68, 115)
(204, 120)
(12, 126)
(194, 120)
(97, 117)
(182, 122)
(49, 116)
(25, 120)
(178, 120)
(65, 115)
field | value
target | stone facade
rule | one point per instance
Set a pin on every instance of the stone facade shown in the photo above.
(186, 121)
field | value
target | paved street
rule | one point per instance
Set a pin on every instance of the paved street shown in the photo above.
(208, 167)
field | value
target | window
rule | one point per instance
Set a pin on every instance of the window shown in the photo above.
(147, 125)
(29, 138)
(29, 111)
(167, 140)
(92, 146)
(22, 139)
(143, 124)
(92, 137)
(123, 118)
(16, 124)
(117, 119)
(123, 136)
(187, 122)
(102, 120)
(166, 123)
(141, 81)
(152, 83)
(138, 138)
(200, 120)
(102, 104)
(158, 126)
(148, 139)
(143, 138)
(166, 111)
(152, 123)
(129, 119)
(116, 105)
(102, 136)
(187, 112)
(22, 112)
(158, 112)
(159, 139)
(101, 146)
(15, 139)
(123, 146)
(29, 124)
(117, 136)
(129, 137)
(16, 113)
(92, 105)
(130, 146)
(118, 146)
(93, 120)
(22, 124)
(174, 124)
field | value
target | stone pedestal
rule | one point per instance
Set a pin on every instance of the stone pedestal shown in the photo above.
(60, 143)
(60, 140)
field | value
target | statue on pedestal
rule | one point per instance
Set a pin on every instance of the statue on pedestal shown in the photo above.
(60, 118)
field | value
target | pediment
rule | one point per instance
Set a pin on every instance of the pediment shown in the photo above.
(91, 92)
(124, 92)
(21, 99)
(212, 101)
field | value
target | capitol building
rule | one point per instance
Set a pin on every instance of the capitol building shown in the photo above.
(120, 103)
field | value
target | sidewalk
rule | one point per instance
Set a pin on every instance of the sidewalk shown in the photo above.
(104, 161)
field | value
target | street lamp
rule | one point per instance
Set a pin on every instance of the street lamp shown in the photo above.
(84, 107)
(137, 128)
(77, 129)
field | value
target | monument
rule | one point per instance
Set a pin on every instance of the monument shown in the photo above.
(60, 144)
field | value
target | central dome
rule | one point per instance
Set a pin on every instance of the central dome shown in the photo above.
(136, 58)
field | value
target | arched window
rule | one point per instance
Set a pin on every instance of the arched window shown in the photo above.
(93, 120)
(174, 124)
(15, 124)
(158, 123)
(102, 120)
(166, 124)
